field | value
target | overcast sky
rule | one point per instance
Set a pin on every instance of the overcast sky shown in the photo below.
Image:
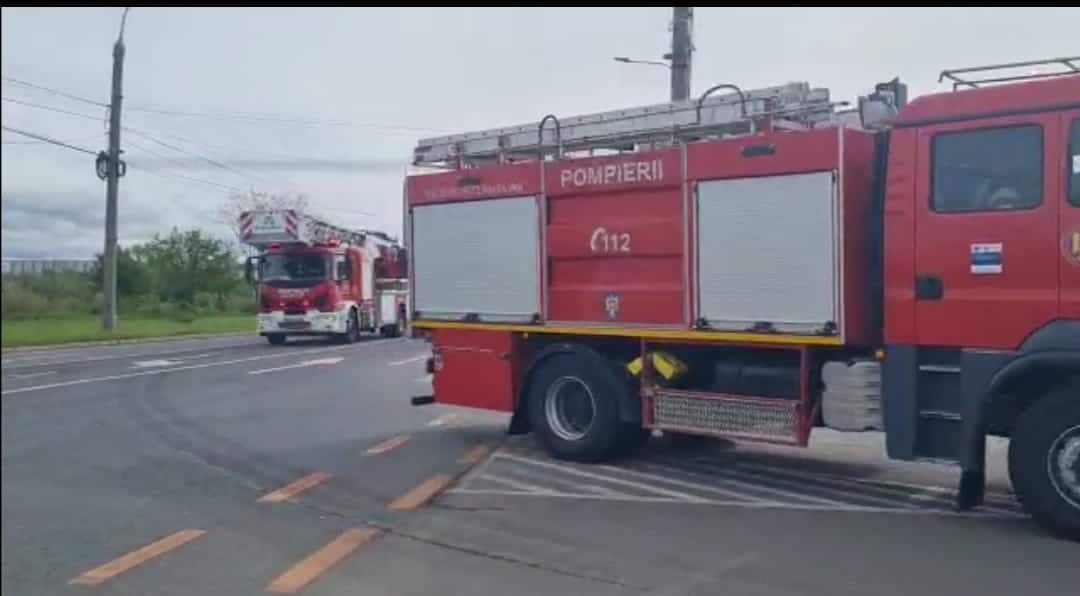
(329, 102)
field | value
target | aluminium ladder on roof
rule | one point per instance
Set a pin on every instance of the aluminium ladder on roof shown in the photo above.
(794, 105)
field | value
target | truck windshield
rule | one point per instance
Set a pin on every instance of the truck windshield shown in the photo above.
(293, 269)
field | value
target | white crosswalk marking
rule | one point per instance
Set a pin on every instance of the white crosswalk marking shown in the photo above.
(584, 474)
(522, 470)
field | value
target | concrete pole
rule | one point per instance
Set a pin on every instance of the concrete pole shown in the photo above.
(681, 49)
(108, 312)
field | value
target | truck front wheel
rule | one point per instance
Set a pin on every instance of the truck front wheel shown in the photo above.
(573, 407)
(1044, 460)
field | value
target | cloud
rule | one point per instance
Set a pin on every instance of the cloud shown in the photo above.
(71, 223)
(289, 96)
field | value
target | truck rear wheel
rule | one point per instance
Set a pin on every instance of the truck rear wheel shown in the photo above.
(1044, 461)
(573, 406)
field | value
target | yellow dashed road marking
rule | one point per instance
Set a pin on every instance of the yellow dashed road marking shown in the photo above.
(136, 557)
(291, 490)
(319, 562)
(474, 455)
(421, 493)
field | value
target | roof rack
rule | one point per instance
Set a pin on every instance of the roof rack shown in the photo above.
(1071, 66)
(794, 106)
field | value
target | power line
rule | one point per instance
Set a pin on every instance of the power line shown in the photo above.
(255, 117)
(49, 140)
(55, 92)
(189, 179)
(39, 106)
(282, 120)
(84, 138)
(208, 160)
(157, 172)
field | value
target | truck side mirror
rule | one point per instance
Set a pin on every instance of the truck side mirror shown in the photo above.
(251, 270)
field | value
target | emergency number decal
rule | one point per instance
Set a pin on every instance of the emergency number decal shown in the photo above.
(986, 258)
(604, 241)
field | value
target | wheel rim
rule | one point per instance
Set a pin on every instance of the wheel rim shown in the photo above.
(1063, 464)
(570, 408)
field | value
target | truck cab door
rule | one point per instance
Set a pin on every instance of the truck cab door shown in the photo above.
(986, 248)
(1070, 217)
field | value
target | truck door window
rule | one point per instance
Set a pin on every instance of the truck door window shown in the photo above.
(988, 169)
(1074, 163)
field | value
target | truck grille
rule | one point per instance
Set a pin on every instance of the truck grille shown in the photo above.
(722, 415)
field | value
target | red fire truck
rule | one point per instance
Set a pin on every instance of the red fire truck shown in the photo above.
(757, 263)
(316, 278)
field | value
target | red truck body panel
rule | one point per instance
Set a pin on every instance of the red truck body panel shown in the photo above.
(615, 226)
(622, 227)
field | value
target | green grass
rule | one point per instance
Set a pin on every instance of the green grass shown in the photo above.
(61, 331)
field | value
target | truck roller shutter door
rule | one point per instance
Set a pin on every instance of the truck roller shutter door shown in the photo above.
(768, 253)
(477, 258)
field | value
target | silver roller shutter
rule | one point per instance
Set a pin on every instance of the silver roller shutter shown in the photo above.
(767, 252)
(477, 257)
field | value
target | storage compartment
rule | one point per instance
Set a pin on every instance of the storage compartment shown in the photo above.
(476, 369)
(768, 254)
(477, 259)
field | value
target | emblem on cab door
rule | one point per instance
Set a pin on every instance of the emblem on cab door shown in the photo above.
(1072, 243)
(611, 305)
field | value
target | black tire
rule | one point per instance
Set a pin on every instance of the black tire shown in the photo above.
(580, 375)
(276, 339)
(633, 437)
(393, 330)
(1040, 432)
(352, 328)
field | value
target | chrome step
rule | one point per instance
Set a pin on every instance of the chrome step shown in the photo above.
(725, 415)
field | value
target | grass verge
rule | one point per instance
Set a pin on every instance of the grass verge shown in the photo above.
(44, 332)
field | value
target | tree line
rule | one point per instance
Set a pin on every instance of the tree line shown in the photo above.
(182, 275)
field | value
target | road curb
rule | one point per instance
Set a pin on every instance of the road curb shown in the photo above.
(115, 342)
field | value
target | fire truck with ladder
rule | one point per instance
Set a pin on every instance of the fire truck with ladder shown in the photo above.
(754, 264)
(316, 278)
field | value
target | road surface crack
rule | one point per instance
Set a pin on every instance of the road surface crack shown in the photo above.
(504, 558)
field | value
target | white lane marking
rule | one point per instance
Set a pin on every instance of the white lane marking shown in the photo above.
(388, 445)
(748, 486)
(522, 486)
(155, 363)
(316, 362)
(741, 504)
(161, 371)
(424, 379)
(32, 375)
(47, 357)
(584, 474)
(685, 484)
(444, 419)
(407, 360)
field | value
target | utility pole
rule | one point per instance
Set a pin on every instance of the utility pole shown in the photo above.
(681, 49)
(112, 191)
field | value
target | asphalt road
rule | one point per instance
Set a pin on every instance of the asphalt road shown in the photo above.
(227, 466)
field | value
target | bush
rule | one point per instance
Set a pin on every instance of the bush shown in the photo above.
(21, 303)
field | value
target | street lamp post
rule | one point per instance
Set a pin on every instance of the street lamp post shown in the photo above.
(679, 58)
(632, 61)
